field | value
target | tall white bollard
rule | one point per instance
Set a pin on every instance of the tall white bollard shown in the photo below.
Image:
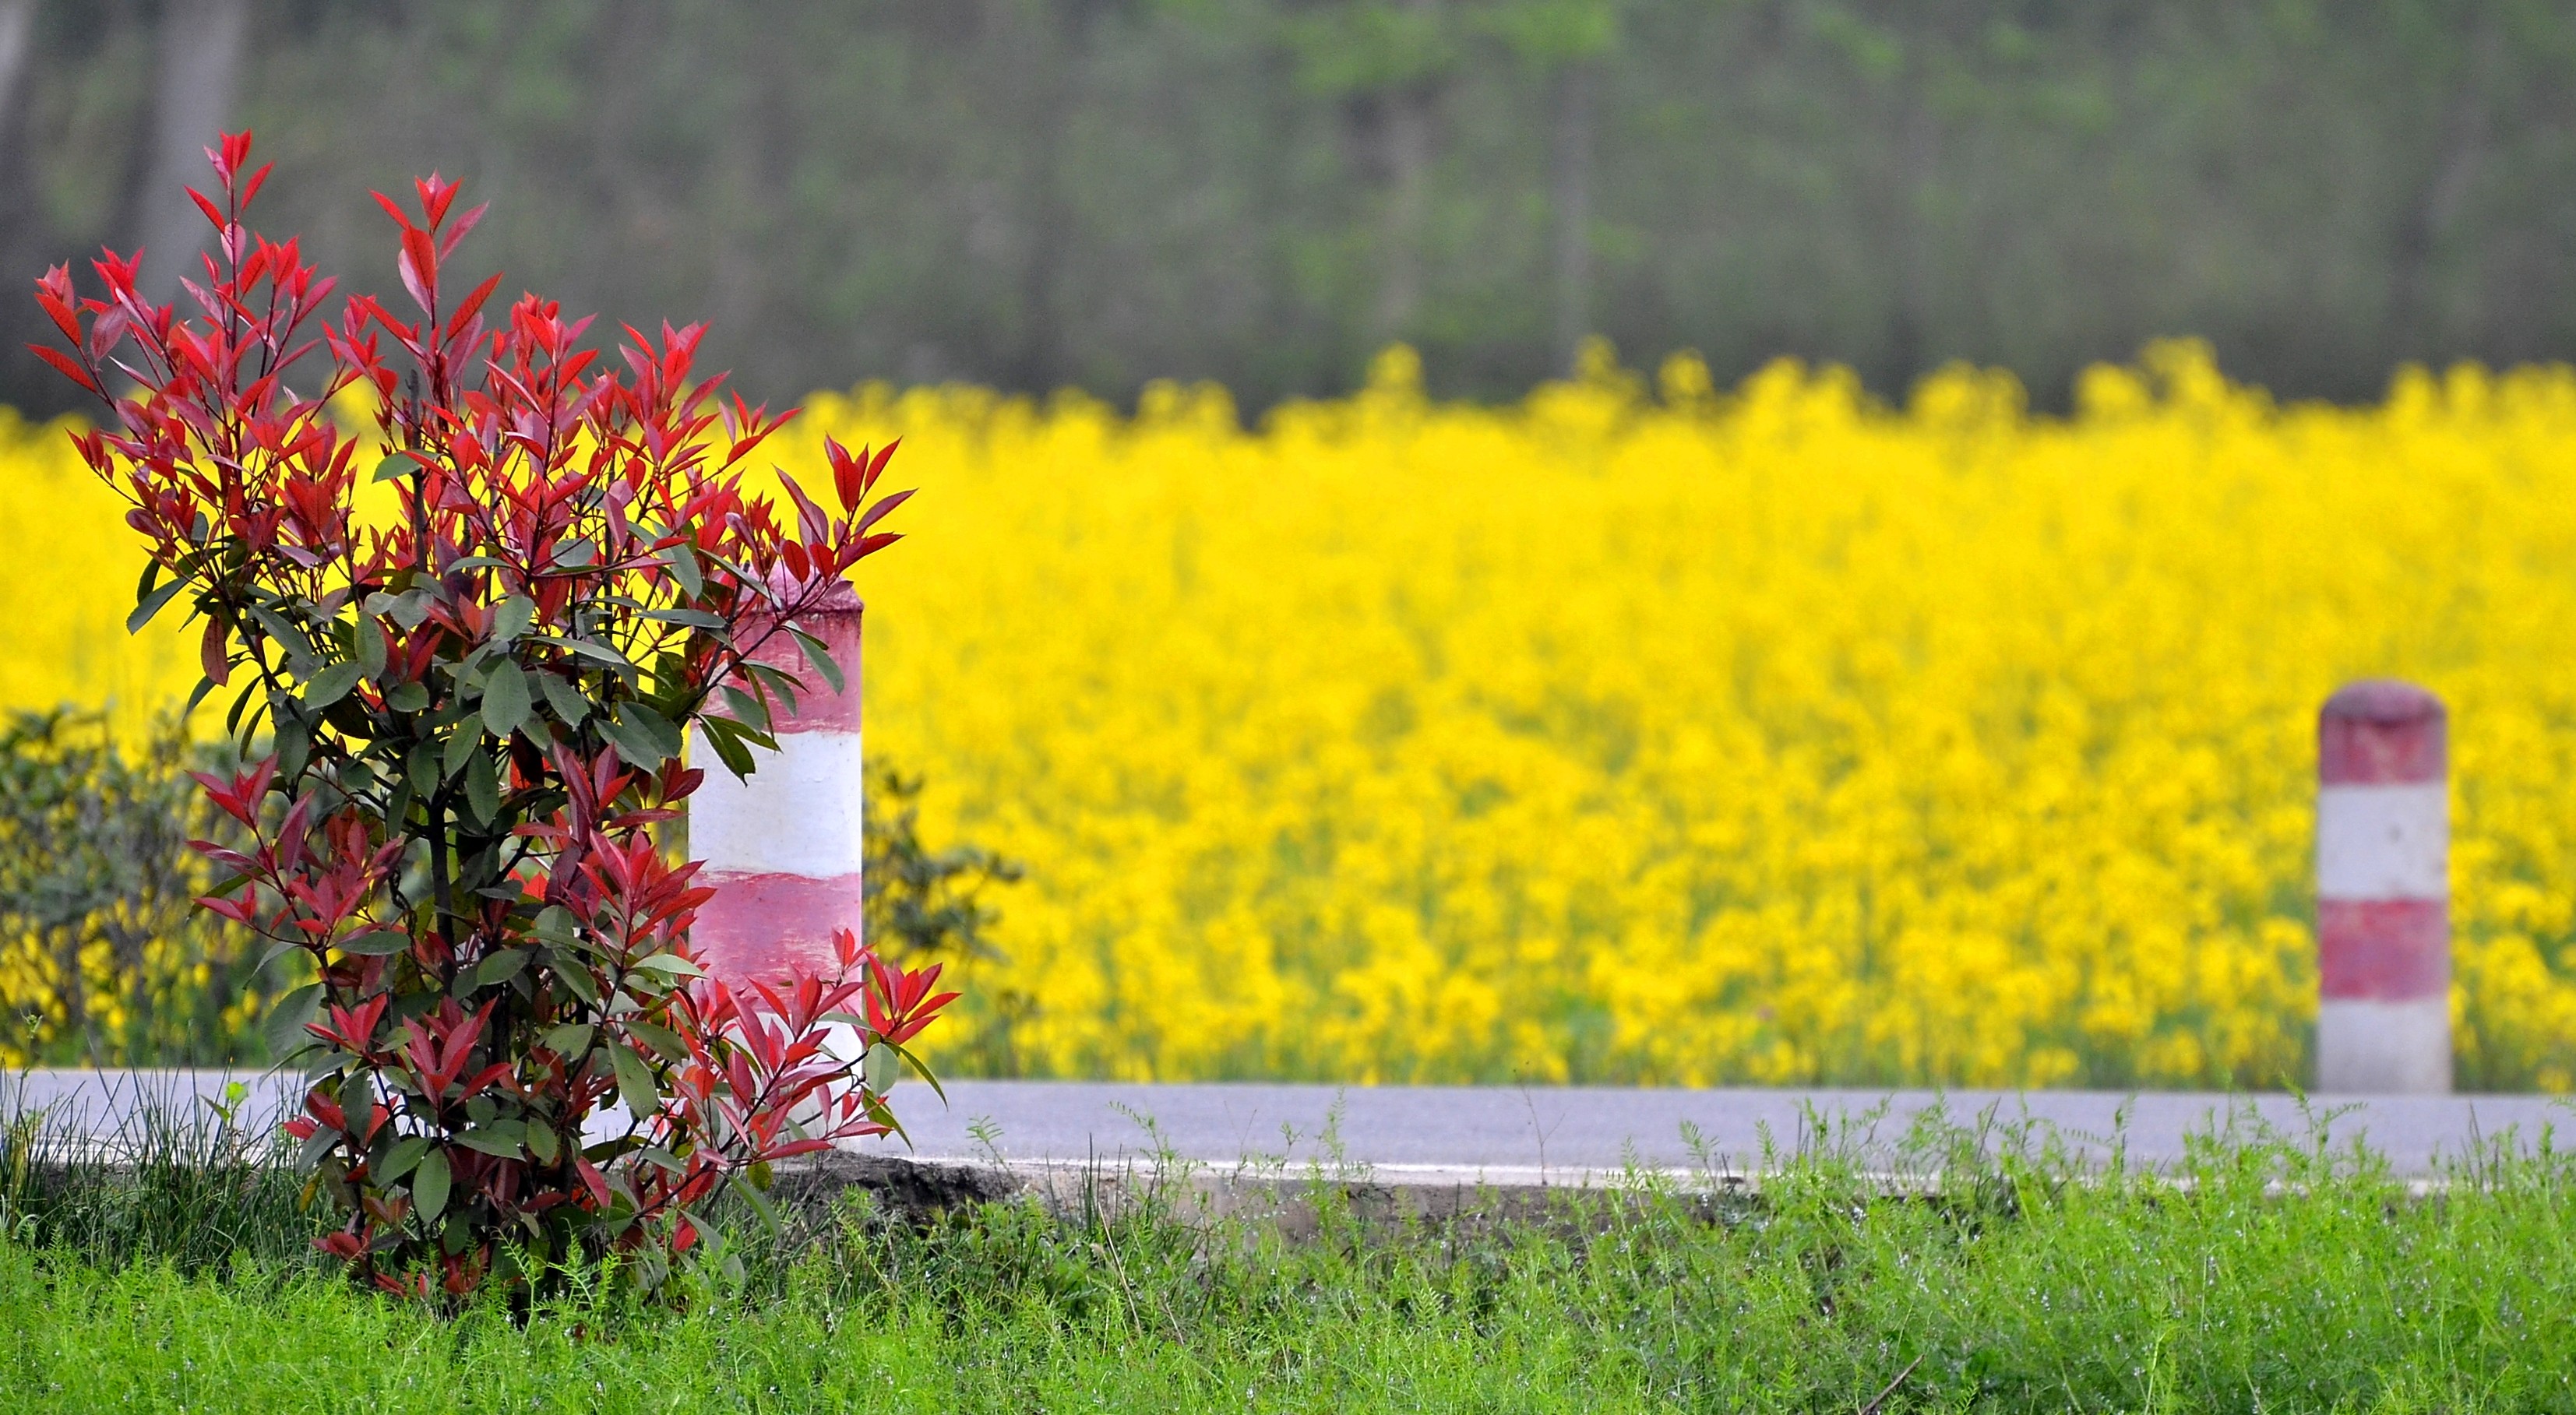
(2383, 892)
(783, 849)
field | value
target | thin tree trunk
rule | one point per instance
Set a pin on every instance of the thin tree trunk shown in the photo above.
(17, 37)
(1058, 43)
(1408, 159)
(1917, 163)
(201, 51)
(2421, 228)
(1573, 209)
(17, 195)
(1407, 136)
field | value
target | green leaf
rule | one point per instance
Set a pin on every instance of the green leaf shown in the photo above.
(748, 709)
(460, 749)
(728, 746)
(683, 560)
(820, 657)
(740, 732)
(636, 751)
(587, 649)
(483, 788)
(571, 1040)
(505, 698)
(660, 1038)
(370, 647)
(670, 965)
(408, 697)
(293, 741)
(760, 1201)
(421, 767)
(400, 464)
(500, 968)
(652, 727)
(541, 1140)
(780, 686)
(690, 618)
(411, 608)
(330, 685)
(376, 943)
(429, 1186)
(402, 1157)
(564, 697)
(574, 973)
(634, 1081)
(150, 603)
(299, 649)
(284, 1029)
(881, 1068)
(513, 617)
(500, 1138)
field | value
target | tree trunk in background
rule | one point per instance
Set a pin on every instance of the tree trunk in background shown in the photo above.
(1408, 199)
(1917, 161)
(2424, 222)
(17, 29)
(1056, 40)
(17, 200)
(201, 50)
(1572, 183)
(1408, 164)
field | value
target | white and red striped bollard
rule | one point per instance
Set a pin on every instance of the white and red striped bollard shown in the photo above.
(2383, 892)
(783, 849)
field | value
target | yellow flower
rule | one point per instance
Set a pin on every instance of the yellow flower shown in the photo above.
(1767, 736)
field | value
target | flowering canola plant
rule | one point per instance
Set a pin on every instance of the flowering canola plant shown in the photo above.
(1671, 735)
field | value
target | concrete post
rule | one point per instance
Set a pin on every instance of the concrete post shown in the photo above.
(2383, 892)
(783, 849)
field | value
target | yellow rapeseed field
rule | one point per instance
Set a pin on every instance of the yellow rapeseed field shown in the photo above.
(1671, 734)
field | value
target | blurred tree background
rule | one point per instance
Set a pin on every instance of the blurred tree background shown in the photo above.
(1039, 193)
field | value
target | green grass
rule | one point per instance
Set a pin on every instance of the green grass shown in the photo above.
(2266, 1273)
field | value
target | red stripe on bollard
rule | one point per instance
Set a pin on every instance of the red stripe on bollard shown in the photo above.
(2380, 732)
(818, 708)
(2383, 950)
(757, 925)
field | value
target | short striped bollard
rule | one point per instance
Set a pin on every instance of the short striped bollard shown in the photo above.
(783, 849)
(2383, 892)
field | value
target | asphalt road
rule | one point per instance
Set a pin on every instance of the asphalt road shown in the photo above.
(1508, 1134)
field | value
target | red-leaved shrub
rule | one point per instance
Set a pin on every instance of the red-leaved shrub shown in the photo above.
(467, 720)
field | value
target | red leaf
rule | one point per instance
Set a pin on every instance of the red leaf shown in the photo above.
(70, 370)
(473, 302)
(401, 218)
(878, 512)
(211, 655)
(877, 467)
(456, 233)
(793, 1148)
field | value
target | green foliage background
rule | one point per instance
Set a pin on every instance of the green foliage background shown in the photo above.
(1034, 193)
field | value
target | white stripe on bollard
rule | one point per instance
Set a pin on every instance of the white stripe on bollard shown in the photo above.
(798, 814)
(2383, 842)
(2383, 892)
